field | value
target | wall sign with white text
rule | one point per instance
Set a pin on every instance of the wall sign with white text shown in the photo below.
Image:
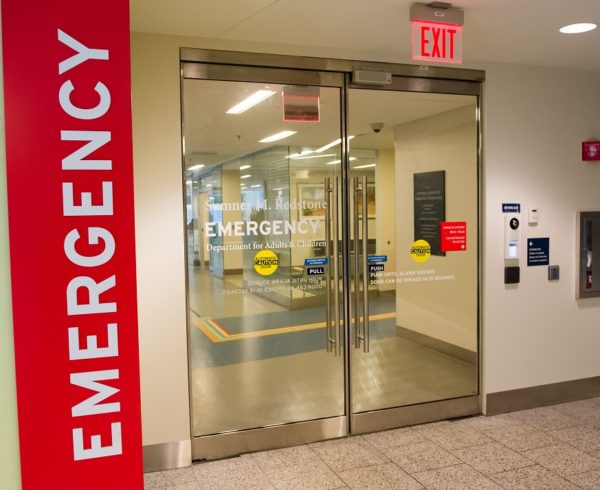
(71, 225)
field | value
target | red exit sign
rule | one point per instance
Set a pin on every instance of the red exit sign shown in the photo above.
(436, 42)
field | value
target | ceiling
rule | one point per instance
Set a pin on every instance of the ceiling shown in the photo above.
(511, 31)
(213, 137)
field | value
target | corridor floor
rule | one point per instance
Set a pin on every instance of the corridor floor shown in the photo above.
(547, 448)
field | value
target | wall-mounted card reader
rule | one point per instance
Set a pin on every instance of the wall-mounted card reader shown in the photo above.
(512, 234)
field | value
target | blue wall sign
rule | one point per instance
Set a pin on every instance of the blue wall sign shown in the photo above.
(315, 261)
(538, 251)
(508, 207)
(376, 258)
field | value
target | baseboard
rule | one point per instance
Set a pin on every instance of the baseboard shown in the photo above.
(437, 344)
(167, 456)
(541, 396)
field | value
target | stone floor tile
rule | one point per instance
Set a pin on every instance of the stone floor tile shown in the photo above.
(313, 476)
(385, 477)
(532, 478)
(492, 458)
(169, 478)
(414, 458)
(231, 474)
(546, 418)
(585, 411)
(483, 422)
(521, 437)
(184, 486)
(348, 453)
(280, 458)
(453, 435)
(392, 438)
(458, 477)
(563, 459)
(588, 481)
(576, 433)
(156, 480)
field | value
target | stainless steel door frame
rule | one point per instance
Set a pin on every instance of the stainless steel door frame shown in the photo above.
(395, 417)
(245, 441)
(220, 445)
(253, 67)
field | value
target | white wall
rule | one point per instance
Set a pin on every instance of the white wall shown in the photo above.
(535, 120)
(160, 240)
(444, 310)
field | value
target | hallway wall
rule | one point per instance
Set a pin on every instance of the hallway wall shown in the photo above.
(534, 121)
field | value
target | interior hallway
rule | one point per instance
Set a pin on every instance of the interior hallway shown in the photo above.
(545, 448)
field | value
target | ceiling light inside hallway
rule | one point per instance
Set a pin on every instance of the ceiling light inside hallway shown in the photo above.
(255, 98)
(277, 136)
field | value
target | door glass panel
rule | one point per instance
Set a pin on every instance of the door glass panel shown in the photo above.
(256, 224)
(418, 154)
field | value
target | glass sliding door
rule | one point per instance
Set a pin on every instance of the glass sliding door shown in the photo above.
(262, 169)
(332, 243)
(417, 156)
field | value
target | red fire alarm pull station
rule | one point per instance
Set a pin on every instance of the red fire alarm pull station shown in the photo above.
(590, 151)
(436, 33)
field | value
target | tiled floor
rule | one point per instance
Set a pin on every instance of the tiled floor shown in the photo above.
(546, 448)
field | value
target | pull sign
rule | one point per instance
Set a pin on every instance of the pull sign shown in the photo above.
(436, 42)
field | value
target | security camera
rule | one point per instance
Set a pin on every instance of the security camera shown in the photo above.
(377, 127)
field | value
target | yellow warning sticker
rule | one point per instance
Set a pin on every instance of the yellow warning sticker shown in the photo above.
(420, 251)
(266, 262)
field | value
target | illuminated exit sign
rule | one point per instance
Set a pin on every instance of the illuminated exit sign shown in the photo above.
(436, 42)
(436, 32)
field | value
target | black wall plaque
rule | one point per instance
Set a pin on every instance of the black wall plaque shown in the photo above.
(430, 207)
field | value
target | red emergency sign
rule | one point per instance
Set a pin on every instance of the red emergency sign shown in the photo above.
(436, 42)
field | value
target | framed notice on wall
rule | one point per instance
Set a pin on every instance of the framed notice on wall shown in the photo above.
(430, 207)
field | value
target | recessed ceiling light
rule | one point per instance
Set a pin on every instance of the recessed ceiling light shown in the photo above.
(578, 28)
(324, 155)
(333, 162)
(195, 167)
(247, 176)
(255, 98)
(364, 166)
(277, 136)
(244, 167)
(333, 143)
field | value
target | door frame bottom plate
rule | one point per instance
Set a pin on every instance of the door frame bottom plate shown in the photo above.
(422, 413)
(233, 443)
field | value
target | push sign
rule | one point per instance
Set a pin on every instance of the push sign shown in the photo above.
(436, 33)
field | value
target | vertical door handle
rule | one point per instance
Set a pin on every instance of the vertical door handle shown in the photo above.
(361, 304)
(336, 267)
(365, 243)
(329, 340)
(358, 336)
(333, 326)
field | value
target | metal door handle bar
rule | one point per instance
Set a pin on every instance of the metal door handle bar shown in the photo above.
(365, 243)
(333, 324)
(329, 340)
(357, 324)
(336, 268)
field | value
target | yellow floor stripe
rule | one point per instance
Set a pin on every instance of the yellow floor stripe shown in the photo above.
(208, 327)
